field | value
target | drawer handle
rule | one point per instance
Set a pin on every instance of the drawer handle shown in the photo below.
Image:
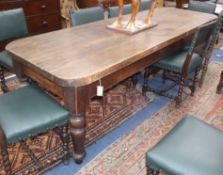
(43, 6)
(44, 23)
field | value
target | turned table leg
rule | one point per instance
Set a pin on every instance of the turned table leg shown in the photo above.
(75, 101)
(220, 84)
(78, 132)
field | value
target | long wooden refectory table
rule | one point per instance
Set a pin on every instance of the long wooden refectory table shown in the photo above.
(72, 62)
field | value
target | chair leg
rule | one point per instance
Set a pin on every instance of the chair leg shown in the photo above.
(180, 92)
(4, 153)
(134, 80)
(164, 76)
(193, 87)
(151, 171)
(31, 154)
(220, 84)
(145, 81)
(2, 80)
(148, 72)
(65, 140)
(203, 73)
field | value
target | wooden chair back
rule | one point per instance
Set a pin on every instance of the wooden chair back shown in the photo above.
(13, 24)
(86, 15)
(199, 40)
(207, 7)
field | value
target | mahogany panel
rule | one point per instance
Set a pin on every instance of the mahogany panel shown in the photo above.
(180, 3)
(92, 3)
(44, 23)
(35, 7)
(32, 7)
(87, 3)
(12, 4)
(41, 15)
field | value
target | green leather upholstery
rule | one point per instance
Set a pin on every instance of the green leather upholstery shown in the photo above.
(13, 24)
(192, 147)
(27, 112)
(207, 7)
(145, 4)
(175, 61)
(86, 15)
(216, 30)
(113, 11)
(6, 60)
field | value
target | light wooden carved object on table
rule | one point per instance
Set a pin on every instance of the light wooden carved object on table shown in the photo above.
(66, 6)
(133, 25)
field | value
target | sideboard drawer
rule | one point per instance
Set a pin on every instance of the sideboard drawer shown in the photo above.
(31, 7)
(35, 7)
(45, 23)
(41, 15)
(12, 4)
(92, 3)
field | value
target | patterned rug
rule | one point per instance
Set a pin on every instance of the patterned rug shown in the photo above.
(102, 115)
(126, 156)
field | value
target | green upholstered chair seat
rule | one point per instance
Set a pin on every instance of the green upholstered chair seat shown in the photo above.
(86, 15)
(175, 62)
(192, 147)
(5, 60)
(27, 112)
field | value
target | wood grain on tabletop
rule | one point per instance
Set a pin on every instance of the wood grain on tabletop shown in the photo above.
(81, 55)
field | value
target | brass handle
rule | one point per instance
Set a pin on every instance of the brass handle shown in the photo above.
(43, 6)
(44, 23)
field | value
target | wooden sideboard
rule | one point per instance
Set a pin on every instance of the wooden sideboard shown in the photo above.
(92, 3)
(180, 3)
(41, 15)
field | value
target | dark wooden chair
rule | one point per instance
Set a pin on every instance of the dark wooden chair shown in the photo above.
(208, 51)
(178, 66)
(86, 15)
(25, 113)
(13, 26)
(192, 147)
(206, 7)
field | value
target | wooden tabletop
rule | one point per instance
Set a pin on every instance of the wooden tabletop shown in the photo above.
(81, 55)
